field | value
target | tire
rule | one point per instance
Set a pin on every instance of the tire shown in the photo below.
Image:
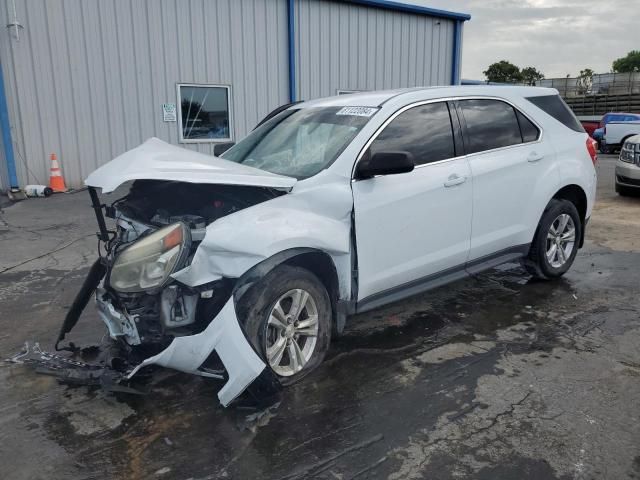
(626, 191)
(280, 287)
(538, 263)
(605, 149)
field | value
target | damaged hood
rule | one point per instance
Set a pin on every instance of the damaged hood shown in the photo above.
(158, 160)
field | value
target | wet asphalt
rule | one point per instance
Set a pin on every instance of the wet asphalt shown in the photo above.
(496, 376)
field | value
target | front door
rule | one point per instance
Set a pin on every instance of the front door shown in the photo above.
(418, 224)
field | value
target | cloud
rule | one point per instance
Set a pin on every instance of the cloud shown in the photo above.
(558, 37)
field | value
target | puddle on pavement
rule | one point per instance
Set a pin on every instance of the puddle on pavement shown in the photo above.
(404, 357)
(468, 309)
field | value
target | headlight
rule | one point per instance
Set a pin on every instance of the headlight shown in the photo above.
(630, 152)
(148, 262)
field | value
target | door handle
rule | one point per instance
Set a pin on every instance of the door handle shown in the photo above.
(534, 157)
(454, 180)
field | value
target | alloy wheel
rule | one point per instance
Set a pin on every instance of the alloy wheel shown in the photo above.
(292, 331)
(561, 239)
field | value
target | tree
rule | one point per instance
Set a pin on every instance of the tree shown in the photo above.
(585, 80)
(530, 75)
(503, 72)
(628, 63)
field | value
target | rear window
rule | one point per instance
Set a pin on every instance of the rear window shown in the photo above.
(490, 124)
(555, 106)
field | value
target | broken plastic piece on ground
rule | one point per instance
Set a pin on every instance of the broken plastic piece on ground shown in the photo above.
(263, 393)
(72, 372)
(258, 419)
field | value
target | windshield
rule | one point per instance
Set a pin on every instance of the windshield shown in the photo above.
(300, 143)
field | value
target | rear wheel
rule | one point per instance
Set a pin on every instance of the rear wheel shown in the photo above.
(287, 316)
(555, 244)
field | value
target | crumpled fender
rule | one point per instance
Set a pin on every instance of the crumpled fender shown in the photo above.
(318, 217)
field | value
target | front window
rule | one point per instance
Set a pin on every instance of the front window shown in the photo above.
(300, 142)
(424, 131)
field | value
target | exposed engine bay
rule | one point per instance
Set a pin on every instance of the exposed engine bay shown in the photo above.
(159, 203)
(161, 312)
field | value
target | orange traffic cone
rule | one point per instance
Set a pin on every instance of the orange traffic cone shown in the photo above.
(56, 180)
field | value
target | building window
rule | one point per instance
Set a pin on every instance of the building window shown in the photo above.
(204, 113)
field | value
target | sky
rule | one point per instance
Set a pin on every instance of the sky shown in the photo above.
(558, 37)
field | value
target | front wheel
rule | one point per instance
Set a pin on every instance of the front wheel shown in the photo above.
(287, 317)
(555, 244)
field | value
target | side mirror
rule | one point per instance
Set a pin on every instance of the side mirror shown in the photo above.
(384, 163)
(220, 148)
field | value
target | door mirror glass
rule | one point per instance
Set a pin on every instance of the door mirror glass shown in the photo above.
(220, 148)
(384, 163)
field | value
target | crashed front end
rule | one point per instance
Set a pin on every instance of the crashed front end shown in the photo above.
(153, 316)
(147, 311)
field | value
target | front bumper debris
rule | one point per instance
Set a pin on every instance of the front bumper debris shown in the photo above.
(119, 324)
(243, 368)
(225, 336)
(72, 372)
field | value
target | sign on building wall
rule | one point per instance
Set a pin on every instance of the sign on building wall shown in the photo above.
(169, 112)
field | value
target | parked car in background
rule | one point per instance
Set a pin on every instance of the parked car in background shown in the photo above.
(616, 133)
(332, 207)
(598, 134)
(590, 126)
(628, 167)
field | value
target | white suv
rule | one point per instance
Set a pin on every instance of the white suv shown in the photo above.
(628, 167)
(331, 207)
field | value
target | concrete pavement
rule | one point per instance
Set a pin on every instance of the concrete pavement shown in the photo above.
(496, 376)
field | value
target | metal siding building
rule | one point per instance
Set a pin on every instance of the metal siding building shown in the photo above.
(342, 46)
(87, 79)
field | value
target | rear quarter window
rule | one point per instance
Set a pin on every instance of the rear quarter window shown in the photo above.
(530, 132)
(490, 124)
(555, 106)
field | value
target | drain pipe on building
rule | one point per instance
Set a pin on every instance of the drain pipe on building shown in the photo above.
(14, 188)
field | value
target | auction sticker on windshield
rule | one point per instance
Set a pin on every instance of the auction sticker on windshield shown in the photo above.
(357, 111)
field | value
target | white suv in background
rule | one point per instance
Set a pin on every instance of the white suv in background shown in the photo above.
(329, 208)
(628, 167)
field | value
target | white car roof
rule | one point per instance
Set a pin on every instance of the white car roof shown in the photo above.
(377, 98)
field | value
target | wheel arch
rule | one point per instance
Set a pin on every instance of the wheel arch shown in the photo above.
(315, 260)
(576, 195)
(627, 138)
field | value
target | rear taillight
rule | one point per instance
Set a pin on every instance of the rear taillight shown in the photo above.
(592, 148)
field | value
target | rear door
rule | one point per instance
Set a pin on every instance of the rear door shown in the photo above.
(508, 161)
(413, 225)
